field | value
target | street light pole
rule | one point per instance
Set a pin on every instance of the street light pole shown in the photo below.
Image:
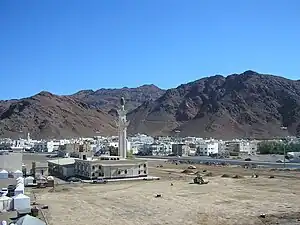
(284, 155)
(284, 143)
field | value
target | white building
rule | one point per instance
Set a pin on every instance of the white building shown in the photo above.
(116, 144)
(248, 147)
(142, 138)
(110, 167)
(47, 146)
(208, 148)
(161, 149)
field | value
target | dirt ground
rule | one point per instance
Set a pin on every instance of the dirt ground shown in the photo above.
(222, 201)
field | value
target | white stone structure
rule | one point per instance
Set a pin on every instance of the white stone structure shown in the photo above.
(122, 130)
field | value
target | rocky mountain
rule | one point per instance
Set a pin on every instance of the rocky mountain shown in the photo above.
(240, 105)
(237, 106)
(50, 116)
(109, 99)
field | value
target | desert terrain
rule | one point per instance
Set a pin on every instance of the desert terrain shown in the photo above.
(245, 200)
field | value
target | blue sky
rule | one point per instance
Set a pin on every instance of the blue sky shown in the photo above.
(63, 46)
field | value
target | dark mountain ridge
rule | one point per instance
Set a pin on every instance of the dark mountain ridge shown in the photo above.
(86, 113)
(108, 99)
(239, 105)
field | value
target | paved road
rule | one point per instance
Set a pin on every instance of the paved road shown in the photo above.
(204, 159)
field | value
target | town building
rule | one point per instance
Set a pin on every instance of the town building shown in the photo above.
(104, 166)
(107, 167)
(248, 147)
(110, 168)
(210, 147)
(180, 149)
(76, 150)
(61, 167)
(237, 147)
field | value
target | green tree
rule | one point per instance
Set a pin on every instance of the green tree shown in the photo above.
(277, 147)
(130, 154)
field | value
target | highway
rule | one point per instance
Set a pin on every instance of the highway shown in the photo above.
(197, 159)
(204, 159)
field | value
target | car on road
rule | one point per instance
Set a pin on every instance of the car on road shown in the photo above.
(74, 179)
(279, 161)
(4, 191)
(248, 159)
(99, 181)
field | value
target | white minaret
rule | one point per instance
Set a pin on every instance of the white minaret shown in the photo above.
(122, 129)
(28, 137)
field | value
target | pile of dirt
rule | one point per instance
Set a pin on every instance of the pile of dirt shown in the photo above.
(237, 176)
(188, 171)
(225, 175)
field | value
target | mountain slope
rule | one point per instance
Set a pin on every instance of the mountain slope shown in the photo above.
(239, 105)
(50, 116)
(108, 99)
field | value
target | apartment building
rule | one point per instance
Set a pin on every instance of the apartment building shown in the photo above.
(208, 148)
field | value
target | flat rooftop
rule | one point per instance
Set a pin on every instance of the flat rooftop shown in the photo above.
(62, 161)
(115, 162)
(120, 163)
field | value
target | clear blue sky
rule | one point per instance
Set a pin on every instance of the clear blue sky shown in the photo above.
(63, 46)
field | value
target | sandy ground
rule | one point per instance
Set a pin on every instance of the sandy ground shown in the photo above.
(222, 201)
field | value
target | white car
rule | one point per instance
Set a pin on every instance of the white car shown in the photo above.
(4, 192)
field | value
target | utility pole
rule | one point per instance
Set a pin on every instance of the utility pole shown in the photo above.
(284, 146)
(284, 155)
